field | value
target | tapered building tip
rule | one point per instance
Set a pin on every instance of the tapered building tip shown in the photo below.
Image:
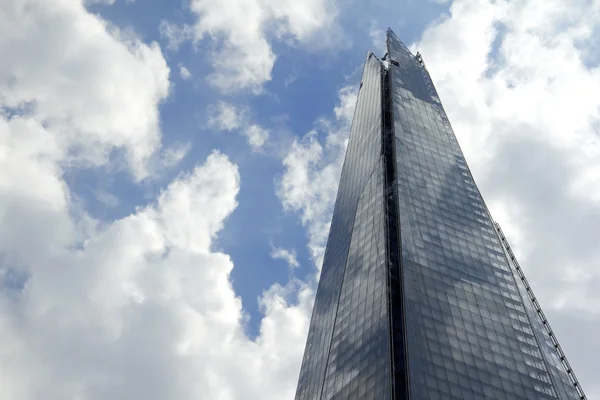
(394, 42)
(391, 35)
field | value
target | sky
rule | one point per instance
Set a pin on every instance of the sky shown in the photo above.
(168, 172)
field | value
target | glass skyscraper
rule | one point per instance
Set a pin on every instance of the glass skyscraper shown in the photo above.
(420, 296)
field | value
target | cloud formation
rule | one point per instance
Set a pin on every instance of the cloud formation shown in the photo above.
(139, 307)
(143, 306)
(228, 117)
(184, 72)
(289, 256)
(242, 34)
(90, 87)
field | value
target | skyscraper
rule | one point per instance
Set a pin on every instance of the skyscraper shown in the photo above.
(420, 296)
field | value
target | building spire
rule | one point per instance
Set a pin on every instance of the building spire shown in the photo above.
(394, 44)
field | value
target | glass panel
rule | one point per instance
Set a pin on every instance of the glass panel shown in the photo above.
(359, 353)
(362, 158)
(468, 332)
(460, 316)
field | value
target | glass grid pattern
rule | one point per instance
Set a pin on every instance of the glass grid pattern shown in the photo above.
(359, 364)
(362, 157)
(469, 336)
(468, 329)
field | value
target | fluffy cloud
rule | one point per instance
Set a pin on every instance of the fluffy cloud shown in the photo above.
(256, 136)
(243, 31)
(91, 87)
(140, 307)
(313, 165)
(174, 34)
(172, 155)
(227, 117)
(289, 256)
(143, 307)
(515, 84)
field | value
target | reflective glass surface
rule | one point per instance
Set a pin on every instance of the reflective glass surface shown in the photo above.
(362, 159)
(417, 298)
(469, 335)
(359, 364)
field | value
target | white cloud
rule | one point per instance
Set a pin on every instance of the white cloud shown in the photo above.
(176, 35)
(184, 72)
(378, 39)
(106, 198)
(289, 256)
(527, 121)
(92, 87)
(140, 307)
(144, 308)
(309, 183)
(174, 154)
(293, 77)
(243, 31)
(256, 135)
(227, 117)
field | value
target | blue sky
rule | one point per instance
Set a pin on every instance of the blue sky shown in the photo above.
(303, 88)
(168, 170)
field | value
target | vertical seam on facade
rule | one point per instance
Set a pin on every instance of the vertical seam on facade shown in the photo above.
(398, 393)
(400, 262)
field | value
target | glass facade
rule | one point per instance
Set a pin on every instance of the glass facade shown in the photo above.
(363, 160)
(418, 298)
